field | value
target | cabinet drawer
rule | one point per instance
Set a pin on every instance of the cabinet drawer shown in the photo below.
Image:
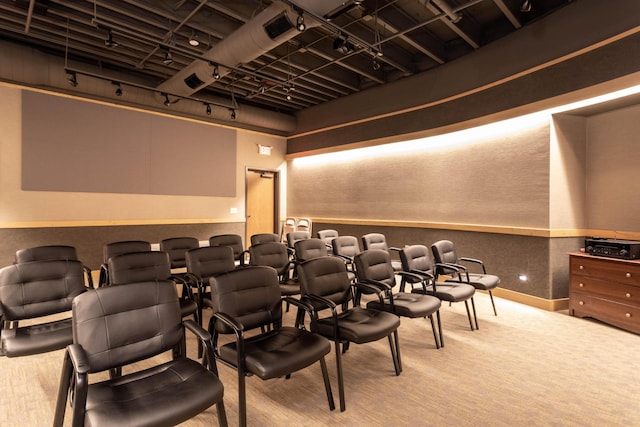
(613, 270)
(621, 315)
(625, 294)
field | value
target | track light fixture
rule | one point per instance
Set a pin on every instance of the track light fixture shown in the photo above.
(118, 88)
(73, 79)
(233, 113)
(208, 108)
(168, 58)
(110, 42)
(300, 25)
(342, 45)
(216, 72)
(193, 40)
(167, 101)
(375, 64)
(526, 6)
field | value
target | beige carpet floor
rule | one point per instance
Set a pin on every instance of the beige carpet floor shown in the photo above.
(524, 367)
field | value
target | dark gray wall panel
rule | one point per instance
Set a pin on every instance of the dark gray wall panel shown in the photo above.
(77, 146)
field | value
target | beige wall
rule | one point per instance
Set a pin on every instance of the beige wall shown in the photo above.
(20, 208)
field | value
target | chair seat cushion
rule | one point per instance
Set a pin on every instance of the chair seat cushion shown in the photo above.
(485, 282)
(359, 325)
(290, 288)
(450, 292)
(279, 353)
(36, 339)
(408, 304)
(166, 394)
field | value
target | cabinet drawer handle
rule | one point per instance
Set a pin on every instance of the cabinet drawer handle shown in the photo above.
(581, 303)
(628, 315)
(628, 274)
(581, 285)
(581, 267)
(628, 295)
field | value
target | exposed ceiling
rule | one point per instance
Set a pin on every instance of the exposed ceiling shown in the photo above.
(286, 71)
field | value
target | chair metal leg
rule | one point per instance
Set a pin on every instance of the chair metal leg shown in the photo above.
(395, 351)
(63, 391)
(440, 328)
(475, 316)
(222, 414)
(327, 384)
(495, 313)
(242, 398)
(340, 378)
(466, 305)
(433, 329)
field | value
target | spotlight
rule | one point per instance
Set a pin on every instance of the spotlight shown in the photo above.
(193, 40)
(233, 113)
(110, 42)
(73, 79)
(526, 6)
(168, 59)
(208, 109)
(118, 89)
(343, 46)
(216, 72)
(167, 101)
(375, 65)
(300, 25)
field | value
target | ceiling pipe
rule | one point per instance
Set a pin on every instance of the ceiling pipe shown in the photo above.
(445, 8)
(270, 28)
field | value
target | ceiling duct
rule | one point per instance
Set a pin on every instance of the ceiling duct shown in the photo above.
(267, 30)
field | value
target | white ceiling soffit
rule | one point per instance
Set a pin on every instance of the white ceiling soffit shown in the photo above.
(246, 44)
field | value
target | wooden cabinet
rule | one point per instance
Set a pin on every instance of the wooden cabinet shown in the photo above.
(607, 289)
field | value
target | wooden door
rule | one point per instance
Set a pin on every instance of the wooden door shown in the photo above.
(261, 202)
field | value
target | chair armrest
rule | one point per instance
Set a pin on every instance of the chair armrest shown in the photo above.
(395, 249)
(475, 261)
(230, 322)
(78, 358)
(375, 287)
(327, 303)
(346, 259)
(87, 271)
(456, 268)
(200, 332)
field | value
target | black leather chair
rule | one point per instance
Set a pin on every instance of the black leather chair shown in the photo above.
(248, 299)
(118, 248)
(177, 248)
(256, 239)
(347, 247)
(31, 291)
(52, 252)
(326, 286)
(444, 252)
(327, 237)
(416, 259)
(307, 249)
(232, 240)
(204, 263)
(373, 266)
(116, 326)
(294, 236)
(148, 266)
(379, 241)
(276, 255)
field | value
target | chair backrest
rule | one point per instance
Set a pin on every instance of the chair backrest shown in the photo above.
(327, 236)
(232, 240)
(374, 241)
(39, 288)
(375, 264)
(288, 226)
(326, 277)
(294, 236)
(346, 246)
(272, 254)
(416, 257)
(139, 267)
(45, 253)
(256, 239)
(444, 252)
(210, 261)
(304, 224)
(118, 325)
(126, 246)
(307, 249)
(251, 295)
(177, 247)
